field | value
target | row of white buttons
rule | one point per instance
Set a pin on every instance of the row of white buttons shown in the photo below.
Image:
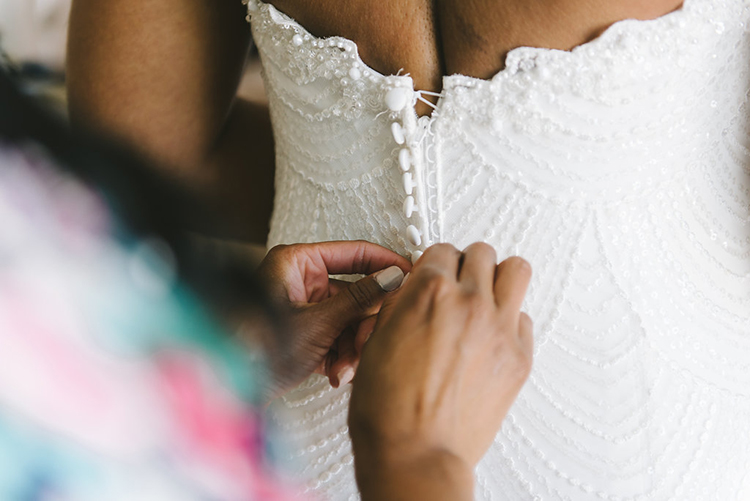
(396, 99)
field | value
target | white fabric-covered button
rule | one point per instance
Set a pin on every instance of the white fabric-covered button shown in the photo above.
(404, 159)
(398, 133)
(297, 40)
(415, 256)
(397, 98)
(409, 183)
(355, 74)
(412, 233)
(410, 207)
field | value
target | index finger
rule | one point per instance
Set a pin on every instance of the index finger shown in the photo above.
(356, 257)
(512, 278)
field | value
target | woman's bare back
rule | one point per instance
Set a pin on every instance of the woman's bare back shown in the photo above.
(432, 38)
(162, 76)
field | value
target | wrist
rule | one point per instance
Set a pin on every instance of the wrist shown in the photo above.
(408, 473)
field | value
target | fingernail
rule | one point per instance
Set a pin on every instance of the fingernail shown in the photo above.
(390, 278)
(345, 376)
(406, 278)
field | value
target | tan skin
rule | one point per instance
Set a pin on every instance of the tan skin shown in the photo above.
(326, 315)
(419, 424)
(429, 39)
(162, 75)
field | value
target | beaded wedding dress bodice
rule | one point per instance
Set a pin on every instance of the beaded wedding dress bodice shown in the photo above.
(620, 170)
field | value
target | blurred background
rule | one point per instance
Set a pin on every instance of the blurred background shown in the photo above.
(34, 30)
(33, 35)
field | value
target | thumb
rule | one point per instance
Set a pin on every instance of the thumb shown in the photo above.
(361, 299)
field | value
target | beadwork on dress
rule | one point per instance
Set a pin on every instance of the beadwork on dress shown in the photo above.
(620, 170)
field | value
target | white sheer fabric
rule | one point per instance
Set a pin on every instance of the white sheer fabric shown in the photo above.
(621, 171)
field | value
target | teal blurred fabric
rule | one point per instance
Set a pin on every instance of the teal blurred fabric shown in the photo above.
(115, 381)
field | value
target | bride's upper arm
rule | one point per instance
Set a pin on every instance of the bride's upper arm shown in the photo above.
(160, 75)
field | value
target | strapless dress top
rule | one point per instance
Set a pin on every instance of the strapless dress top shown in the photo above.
(620, 170)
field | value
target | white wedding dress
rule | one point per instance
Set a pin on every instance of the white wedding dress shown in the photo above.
(621, 171)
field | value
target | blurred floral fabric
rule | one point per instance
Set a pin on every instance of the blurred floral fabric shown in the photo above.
(114, 381)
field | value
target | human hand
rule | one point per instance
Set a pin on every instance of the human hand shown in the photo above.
(329, 319)
(449, 354)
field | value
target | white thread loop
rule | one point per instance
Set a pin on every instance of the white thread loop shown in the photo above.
(419, 93)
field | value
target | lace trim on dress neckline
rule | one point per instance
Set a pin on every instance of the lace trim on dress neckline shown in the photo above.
(620, 171)
(518, 59)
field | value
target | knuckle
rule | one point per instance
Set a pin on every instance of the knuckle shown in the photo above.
(428, 272)
(476, 303)
(276, 261)
(518, 265)
(360, 296)
(516, 359)
(425, 274)
(437, 283)
(444, 247)
(360, 252)
(526, 322)
(441, 248)
(433, 283)
(278, 250)
(517, 362)
(482, 248)
(522, 365)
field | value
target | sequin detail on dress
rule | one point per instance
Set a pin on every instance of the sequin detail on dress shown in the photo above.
(621, 171)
